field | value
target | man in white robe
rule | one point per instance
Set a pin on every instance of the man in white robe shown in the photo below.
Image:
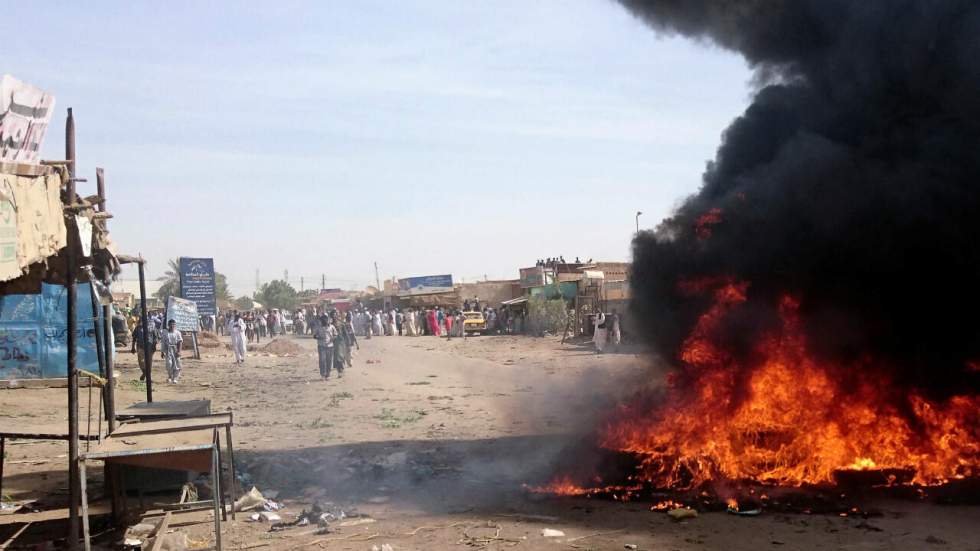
(600, 332)
(237, 331)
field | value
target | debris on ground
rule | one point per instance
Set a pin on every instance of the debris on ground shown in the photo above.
(255, 500)
(206, 339)
(682, 513)
(265, 516)
(384, 547)
(630, 546)
(551, 533)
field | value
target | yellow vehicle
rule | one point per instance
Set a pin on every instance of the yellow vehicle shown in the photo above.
(473, 322)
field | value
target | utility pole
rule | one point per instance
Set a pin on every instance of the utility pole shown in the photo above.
(377, 280)
(301, 284)
(285, 276)
(323, 281)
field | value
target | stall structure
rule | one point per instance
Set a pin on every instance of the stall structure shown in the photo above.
(56, 261)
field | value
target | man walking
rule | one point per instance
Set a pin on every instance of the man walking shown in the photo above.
(617, 334)
(171, 343)
(140, 344)
(600, 332)
(341, 347)
(326, 333)
(237, 330)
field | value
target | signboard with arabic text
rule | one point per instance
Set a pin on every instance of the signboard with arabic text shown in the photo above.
(197, 283)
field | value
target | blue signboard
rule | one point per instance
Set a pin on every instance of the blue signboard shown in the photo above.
(33, 330)
(197, 284)
(425, 285)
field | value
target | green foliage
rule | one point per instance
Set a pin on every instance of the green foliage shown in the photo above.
(390, 420)
(308, 294)
(243, 303)
(546, 316)
(336, 397)
(277, 294)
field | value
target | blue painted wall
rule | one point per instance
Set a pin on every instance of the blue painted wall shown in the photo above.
(33, 332)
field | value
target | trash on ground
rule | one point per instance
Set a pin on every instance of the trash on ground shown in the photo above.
(630, 546)
(384, 547)
(551, 533)
(265, 516)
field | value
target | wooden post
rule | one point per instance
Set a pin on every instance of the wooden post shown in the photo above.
(216, 484)
(147, 355)
(231, 466)
(74, 488)
(84, 492)
(109, 346)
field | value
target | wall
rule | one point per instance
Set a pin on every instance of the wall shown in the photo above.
(490, 293)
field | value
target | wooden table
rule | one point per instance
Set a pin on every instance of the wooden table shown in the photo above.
(187, 443)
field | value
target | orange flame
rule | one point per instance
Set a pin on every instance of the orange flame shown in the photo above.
(702, 226)
(788, 420)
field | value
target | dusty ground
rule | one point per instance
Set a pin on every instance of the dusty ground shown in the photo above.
(433, 441)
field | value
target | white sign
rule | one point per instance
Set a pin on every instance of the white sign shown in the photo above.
(184, 312)
(25, 112)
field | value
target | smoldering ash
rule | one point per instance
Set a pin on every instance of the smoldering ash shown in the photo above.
(819, 295)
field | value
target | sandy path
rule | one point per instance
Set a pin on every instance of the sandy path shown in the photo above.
(433, 439)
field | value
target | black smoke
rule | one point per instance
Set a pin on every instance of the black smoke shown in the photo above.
(852, 182)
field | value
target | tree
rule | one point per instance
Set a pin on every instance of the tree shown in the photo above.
(221, 290)
(171, 281)
(308, 294)
(171, 284)
(243, 303)
(277, 294)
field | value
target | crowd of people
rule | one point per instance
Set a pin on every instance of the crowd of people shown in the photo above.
(336, 332)
(263, 324)
(417, 322)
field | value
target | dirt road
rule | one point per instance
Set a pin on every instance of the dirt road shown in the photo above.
(433, 441)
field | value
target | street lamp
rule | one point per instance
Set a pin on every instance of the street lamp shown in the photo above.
(638, 213)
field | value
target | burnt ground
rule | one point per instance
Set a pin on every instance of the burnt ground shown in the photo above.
(434, 440)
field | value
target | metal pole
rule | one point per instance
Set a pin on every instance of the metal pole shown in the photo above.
(147, 355)
(638, 213)
(74, 485)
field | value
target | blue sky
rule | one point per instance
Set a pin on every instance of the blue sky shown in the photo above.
(432, 137)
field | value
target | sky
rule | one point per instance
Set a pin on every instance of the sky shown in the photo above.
(431, 137)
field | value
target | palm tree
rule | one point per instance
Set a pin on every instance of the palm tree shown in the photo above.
(171, 279)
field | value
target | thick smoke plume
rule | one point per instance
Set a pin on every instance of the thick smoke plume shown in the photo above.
(851, 182)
